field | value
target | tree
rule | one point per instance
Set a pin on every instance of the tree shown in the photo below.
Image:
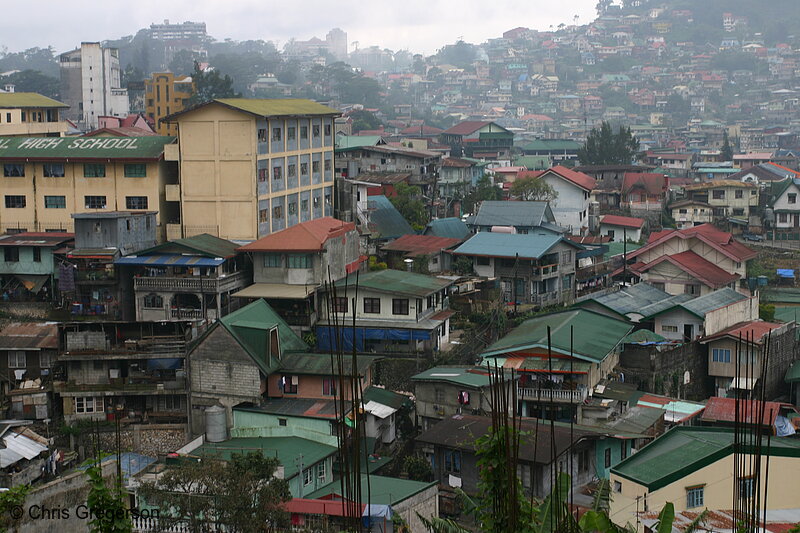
(210, 85)
(533, 189)
(107, 507)
(727, 151)
(485, 190)
(242, 495)
(407, 201)
(604, 147)
(33, 81)
(182, 63)
(364, 120)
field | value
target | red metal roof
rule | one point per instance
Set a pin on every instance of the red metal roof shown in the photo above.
(652, 183)
(456, 162)
(38, 239)
(421, 130)
(416, 245)
(717, 239)
(305, 237)
(617, 220)
(699, 268)
(578, 178)
(467, 127)
(755, 330)
(323, 507)
(724, 410)
(27, 335)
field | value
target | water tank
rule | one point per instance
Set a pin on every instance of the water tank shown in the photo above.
(216, 424)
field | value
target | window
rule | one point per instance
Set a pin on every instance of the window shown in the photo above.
(262, 135)
(617, 486)
(88, 404)
(304, 132)
(308, 477)
(45, 359)
(153, 301)
(718, 194)
(135, 170)
(95, 202)
(304, 169)
(607, 458)
(739, 194)
(322, 472)
(684, 211)
(315, 201)
(14, 170)
(37, 255)
(327, 165)
(15, 202)
(277, 173)
(452, 461)
(583, 461)
(746, 487)
(55, 202)
(623, 449)
(611, 234)
(292, 208)
(263, 216)
(327, 130)
(329, 387)
(315, 167)
(298, 261)
(17, 359)
(291, 171)
(304, 206)
(783, 217)
(690, 288)
(315, 130)
(792, 198)
(291, 133)
(658, 285)
(340, 304)
(720, 355)
(277, 211)
(290, 384)
(283, 422)
(276, 134)
(136, 202)
(10, 254)
(272, 261)
(262, 175)
(669, 329)
(483, 261)
(438, 396)
(694, 497)
(53, 170)
(372, 305)
(399, 306)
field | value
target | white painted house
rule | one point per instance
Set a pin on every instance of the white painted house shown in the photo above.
(571, 207)
(621, 228)
(786, 204)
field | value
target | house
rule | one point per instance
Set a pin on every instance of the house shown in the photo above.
(727, 198)
(693, 260)
(381, 408)
(621, 228)
(421, 166)
(536, 268)
(523, 217)
(556, 149)
(133, 369)
(23, 453)
(31, 115)
(571, 206)
(560, 357)
(763, 173)
(27, 353)
(383, 222)
(631, 303)
(451, 228)
(783, 197)
(166, 93)
(736, 355)
(479, 139)
(770, 417)
(644, 191)
(690, 213)
(29, 265)
(431, 251)
(396, 311)
(445, 391)
(186, 279)
(585, 453)
(457, 176)
(101, 238)
(694, 472)
(277, 169)
(290, 265)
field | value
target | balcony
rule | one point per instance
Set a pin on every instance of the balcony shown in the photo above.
(557, 395)
(593, 271)
(187, 313)
(122, 386)
(95, 276)
(545, 270)
(548, 298)
(195, 284)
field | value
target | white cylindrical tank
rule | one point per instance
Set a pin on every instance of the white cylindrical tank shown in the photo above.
(216, 424)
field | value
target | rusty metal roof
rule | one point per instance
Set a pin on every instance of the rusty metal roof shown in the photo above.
(29, 336)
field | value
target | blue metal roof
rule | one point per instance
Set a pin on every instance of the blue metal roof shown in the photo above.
(527, 246)
(386, 219)
(170, 260)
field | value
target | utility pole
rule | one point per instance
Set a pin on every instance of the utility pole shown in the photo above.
(302, 477)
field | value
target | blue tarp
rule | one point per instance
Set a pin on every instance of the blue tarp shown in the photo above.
(173, 364)
(326, 336)
(786, 273)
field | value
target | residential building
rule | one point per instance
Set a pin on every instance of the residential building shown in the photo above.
(727, 198)
(396, 311)
(764, 173)
(694, 472)
(690, 213)
(91, 84)
(100, 239)
(45, 181)
(135, 370)
(451, 228)
(772, 417)
(29, 265)
(621, 228)
(426, 253)
(27, 353)
(189, 279)
(354, 160)
(535, 268)
(178, 31)
(523, 217)
(291, 265)
(251, 167)
(559, 357)
(165, 94)
(134, 125)
(456, 178)
(783, 199)
(444, 391)
(571, 206)
(381, 408)
(556, 149)
(21, 454)
(644, 191)
(479, 139)
(383, 222)
(694, 260)
(631, 303)
(31, 115)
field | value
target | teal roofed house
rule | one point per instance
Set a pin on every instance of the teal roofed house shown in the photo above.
(29, 266)
(451, 228)
(444, 391)
(560, 357)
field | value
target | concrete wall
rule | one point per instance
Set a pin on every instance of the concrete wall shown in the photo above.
(620, 232)
(253, 424)
(657, 371)
(571, 208)
(426, 503)
(414, 313)
(677, 318)
(447, 406)
(128, 233)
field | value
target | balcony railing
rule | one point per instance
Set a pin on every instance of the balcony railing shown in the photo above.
(169, 387)
(545, 270)
(190, 284)
(186, 313)
(557, 395)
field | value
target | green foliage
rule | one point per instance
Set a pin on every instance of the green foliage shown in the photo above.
(182, 63)
(364, 120)
(605, 147)
(107, 507)
(375, 265)
(310, 338)
(42, 60)
(665, 519)
(407, 200)
(766, 312)
(33, 81)
(441, 525)
(463, 265)
(727, 151)
(418, 468)
(700, 521)
(10, 499)
(485, 190)
(460, 54)
(533, 189)
(210, 85)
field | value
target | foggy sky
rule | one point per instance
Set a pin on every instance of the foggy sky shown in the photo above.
(421, 26)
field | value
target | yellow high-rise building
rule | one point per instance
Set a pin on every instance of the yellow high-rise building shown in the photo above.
(251, 167)
(164, 95)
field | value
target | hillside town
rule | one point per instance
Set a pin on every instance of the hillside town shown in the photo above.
(549, 277)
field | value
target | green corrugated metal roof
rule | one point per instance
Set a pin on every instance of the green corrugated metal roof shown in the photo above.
(533, 162)
(785, 295)
(385, 397)
(15, 100)
(397, 282)
(643, 335)
(204, 244)
(618, 248)
(382, 490)
(150, 147)
(452, 228)
(594, 335)
(320, 363)
(702, 304)
(556, 365)
(455, 375)
(278, 107)
(787, 314)
(345, 142)
(684, 450)
(386, 220)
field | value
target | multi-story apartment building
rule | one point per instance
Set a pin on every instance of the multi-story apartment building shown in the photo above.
(727, 198)
(250, 167)
(31, 115)
(91, 84)
(165, 94)
(45, 180)
(181, 31)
